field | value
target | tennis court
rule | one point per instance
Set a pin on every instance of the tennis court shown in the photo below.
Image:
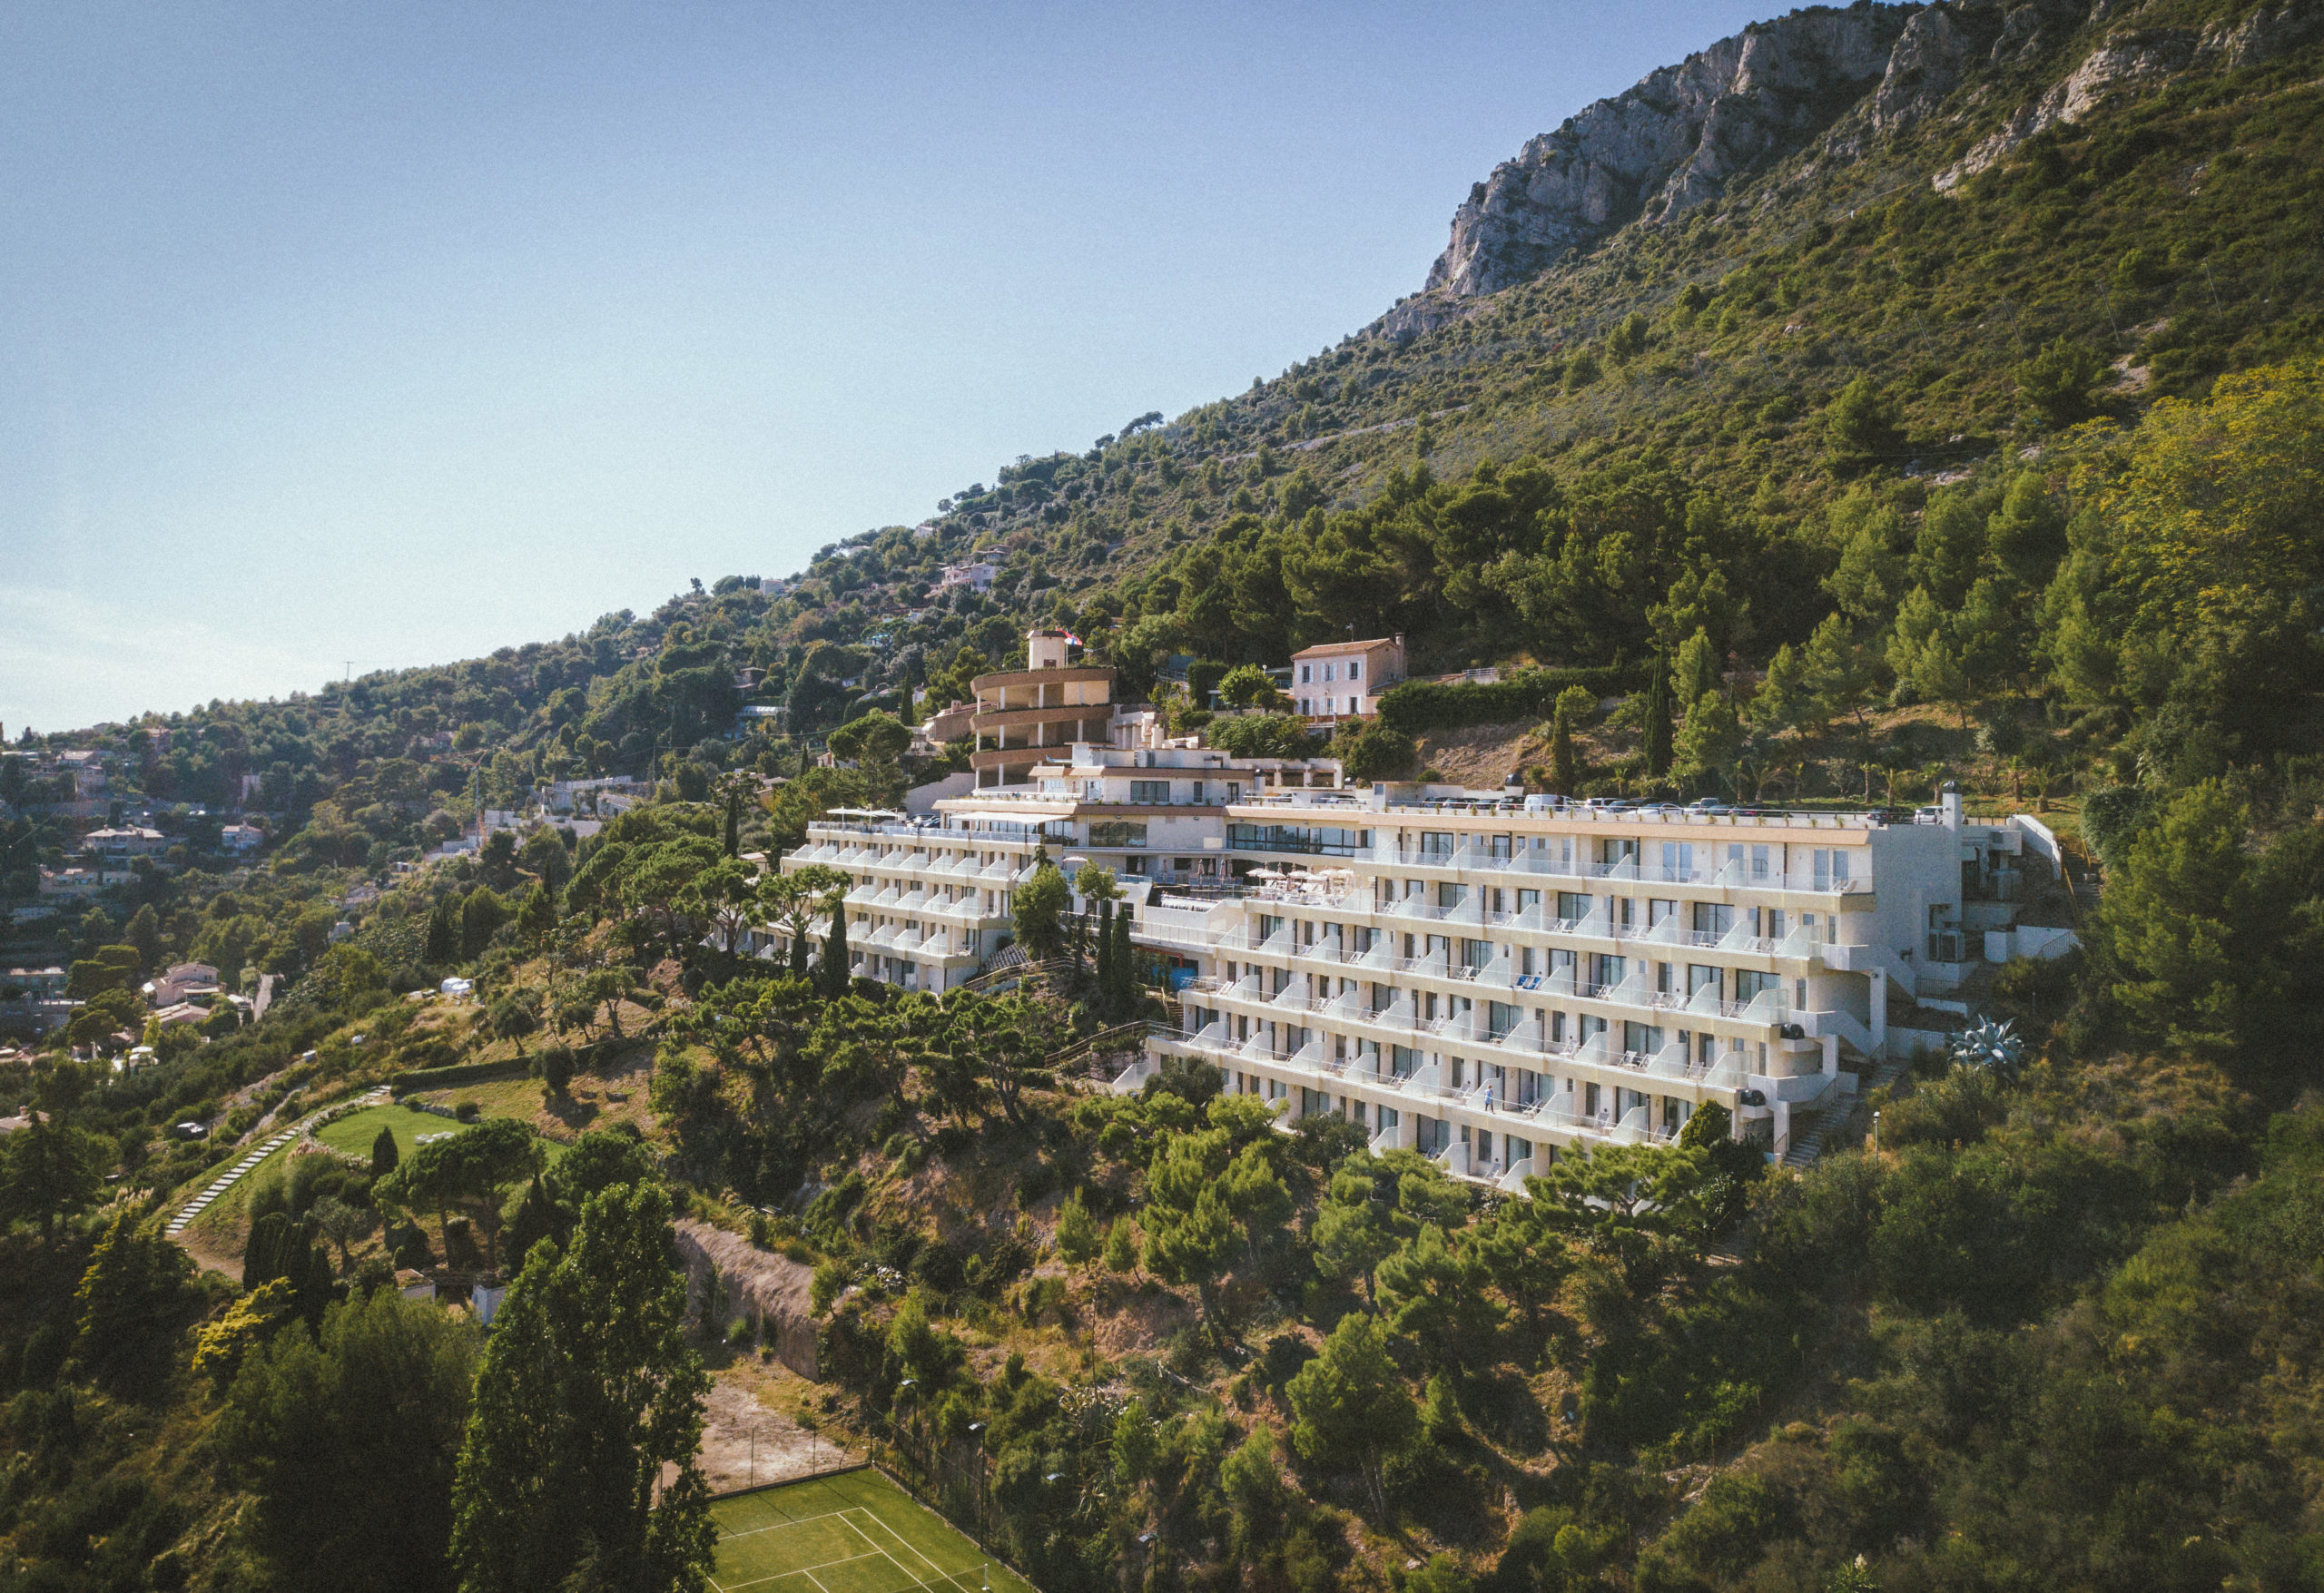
(853, 1533)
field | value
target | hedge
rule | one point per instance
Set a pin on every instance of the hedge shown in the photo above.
(421, 1078)
(1417, 706)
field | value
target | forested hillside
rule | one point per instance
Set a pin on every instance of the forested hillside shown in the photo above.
(1830, 469)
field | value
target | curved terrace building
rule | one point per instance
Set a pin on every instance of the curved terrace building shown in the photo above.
(1024, 716)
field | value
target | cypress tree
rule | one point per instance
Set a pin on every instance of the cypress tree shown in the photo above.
(1125, 994)
(1564, 772)
(535, 1220)
(734, 820)
(1658, 721)
(799, 956)
(1105, 956)
(263, 1252)
(443, 943)
(309, 1271)
(385, 1154)
(835, 975)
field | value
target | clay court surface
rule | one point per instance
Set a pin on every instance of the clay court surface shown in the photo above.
(853, 1533)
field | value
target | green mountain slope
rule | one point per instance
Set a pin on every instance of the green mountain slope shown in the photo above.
(1744, 414)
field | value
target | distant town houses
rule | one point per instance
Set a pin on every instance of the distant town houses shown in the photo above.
(87, 770)
(240, 840)
(977, 576)
(35, 981)
(583, 796)
(117, 846)
(183, 981)
(78, 884)
(69, 785)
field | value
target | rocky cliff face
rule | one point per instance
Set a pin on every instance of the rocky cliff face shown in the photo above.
(1666, 145)
(1824, 79)
(2132, 57)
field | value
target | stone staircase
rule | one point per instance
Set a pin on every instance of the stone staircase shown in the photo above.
(1834, 1121)
(257, 1154)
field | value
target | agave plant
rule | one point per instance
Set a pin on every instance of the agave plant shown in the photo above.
(1993, 1047)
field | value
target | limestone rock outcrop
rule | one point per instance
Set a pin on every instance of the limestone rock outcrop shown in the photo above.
(1823, 81)
(1666, 145)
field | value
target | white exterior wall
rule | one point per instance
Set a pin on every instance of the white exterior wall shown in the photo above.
(929, 905)
(1372, 990)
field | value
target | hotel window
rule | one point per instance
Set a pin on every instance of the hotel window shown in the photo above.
(1150, 791)
(1306, 674)
(1355, 668)
(1328, 675)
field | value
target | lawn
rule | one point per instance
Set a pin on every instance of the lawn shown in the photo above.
(355, 1132)
(853, 1533)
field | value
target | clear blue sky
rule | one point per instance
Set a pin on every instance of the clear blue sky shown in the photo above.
(397, 333)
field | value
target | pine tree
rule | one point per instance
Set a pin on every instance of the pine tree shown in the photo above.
(1658, 721)
(1077, 1232)
(1121, 1247)
(385, 1154)
(537, 917)
(129, 1305)
(346, 1442)
(1696, 669)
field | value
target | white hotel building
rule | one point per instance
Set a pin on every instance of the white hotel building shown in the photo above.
(1480, 976)
(1486, 980)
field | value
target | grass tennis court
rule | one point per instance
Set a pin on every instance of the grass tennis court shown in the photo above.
(853, 1533)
